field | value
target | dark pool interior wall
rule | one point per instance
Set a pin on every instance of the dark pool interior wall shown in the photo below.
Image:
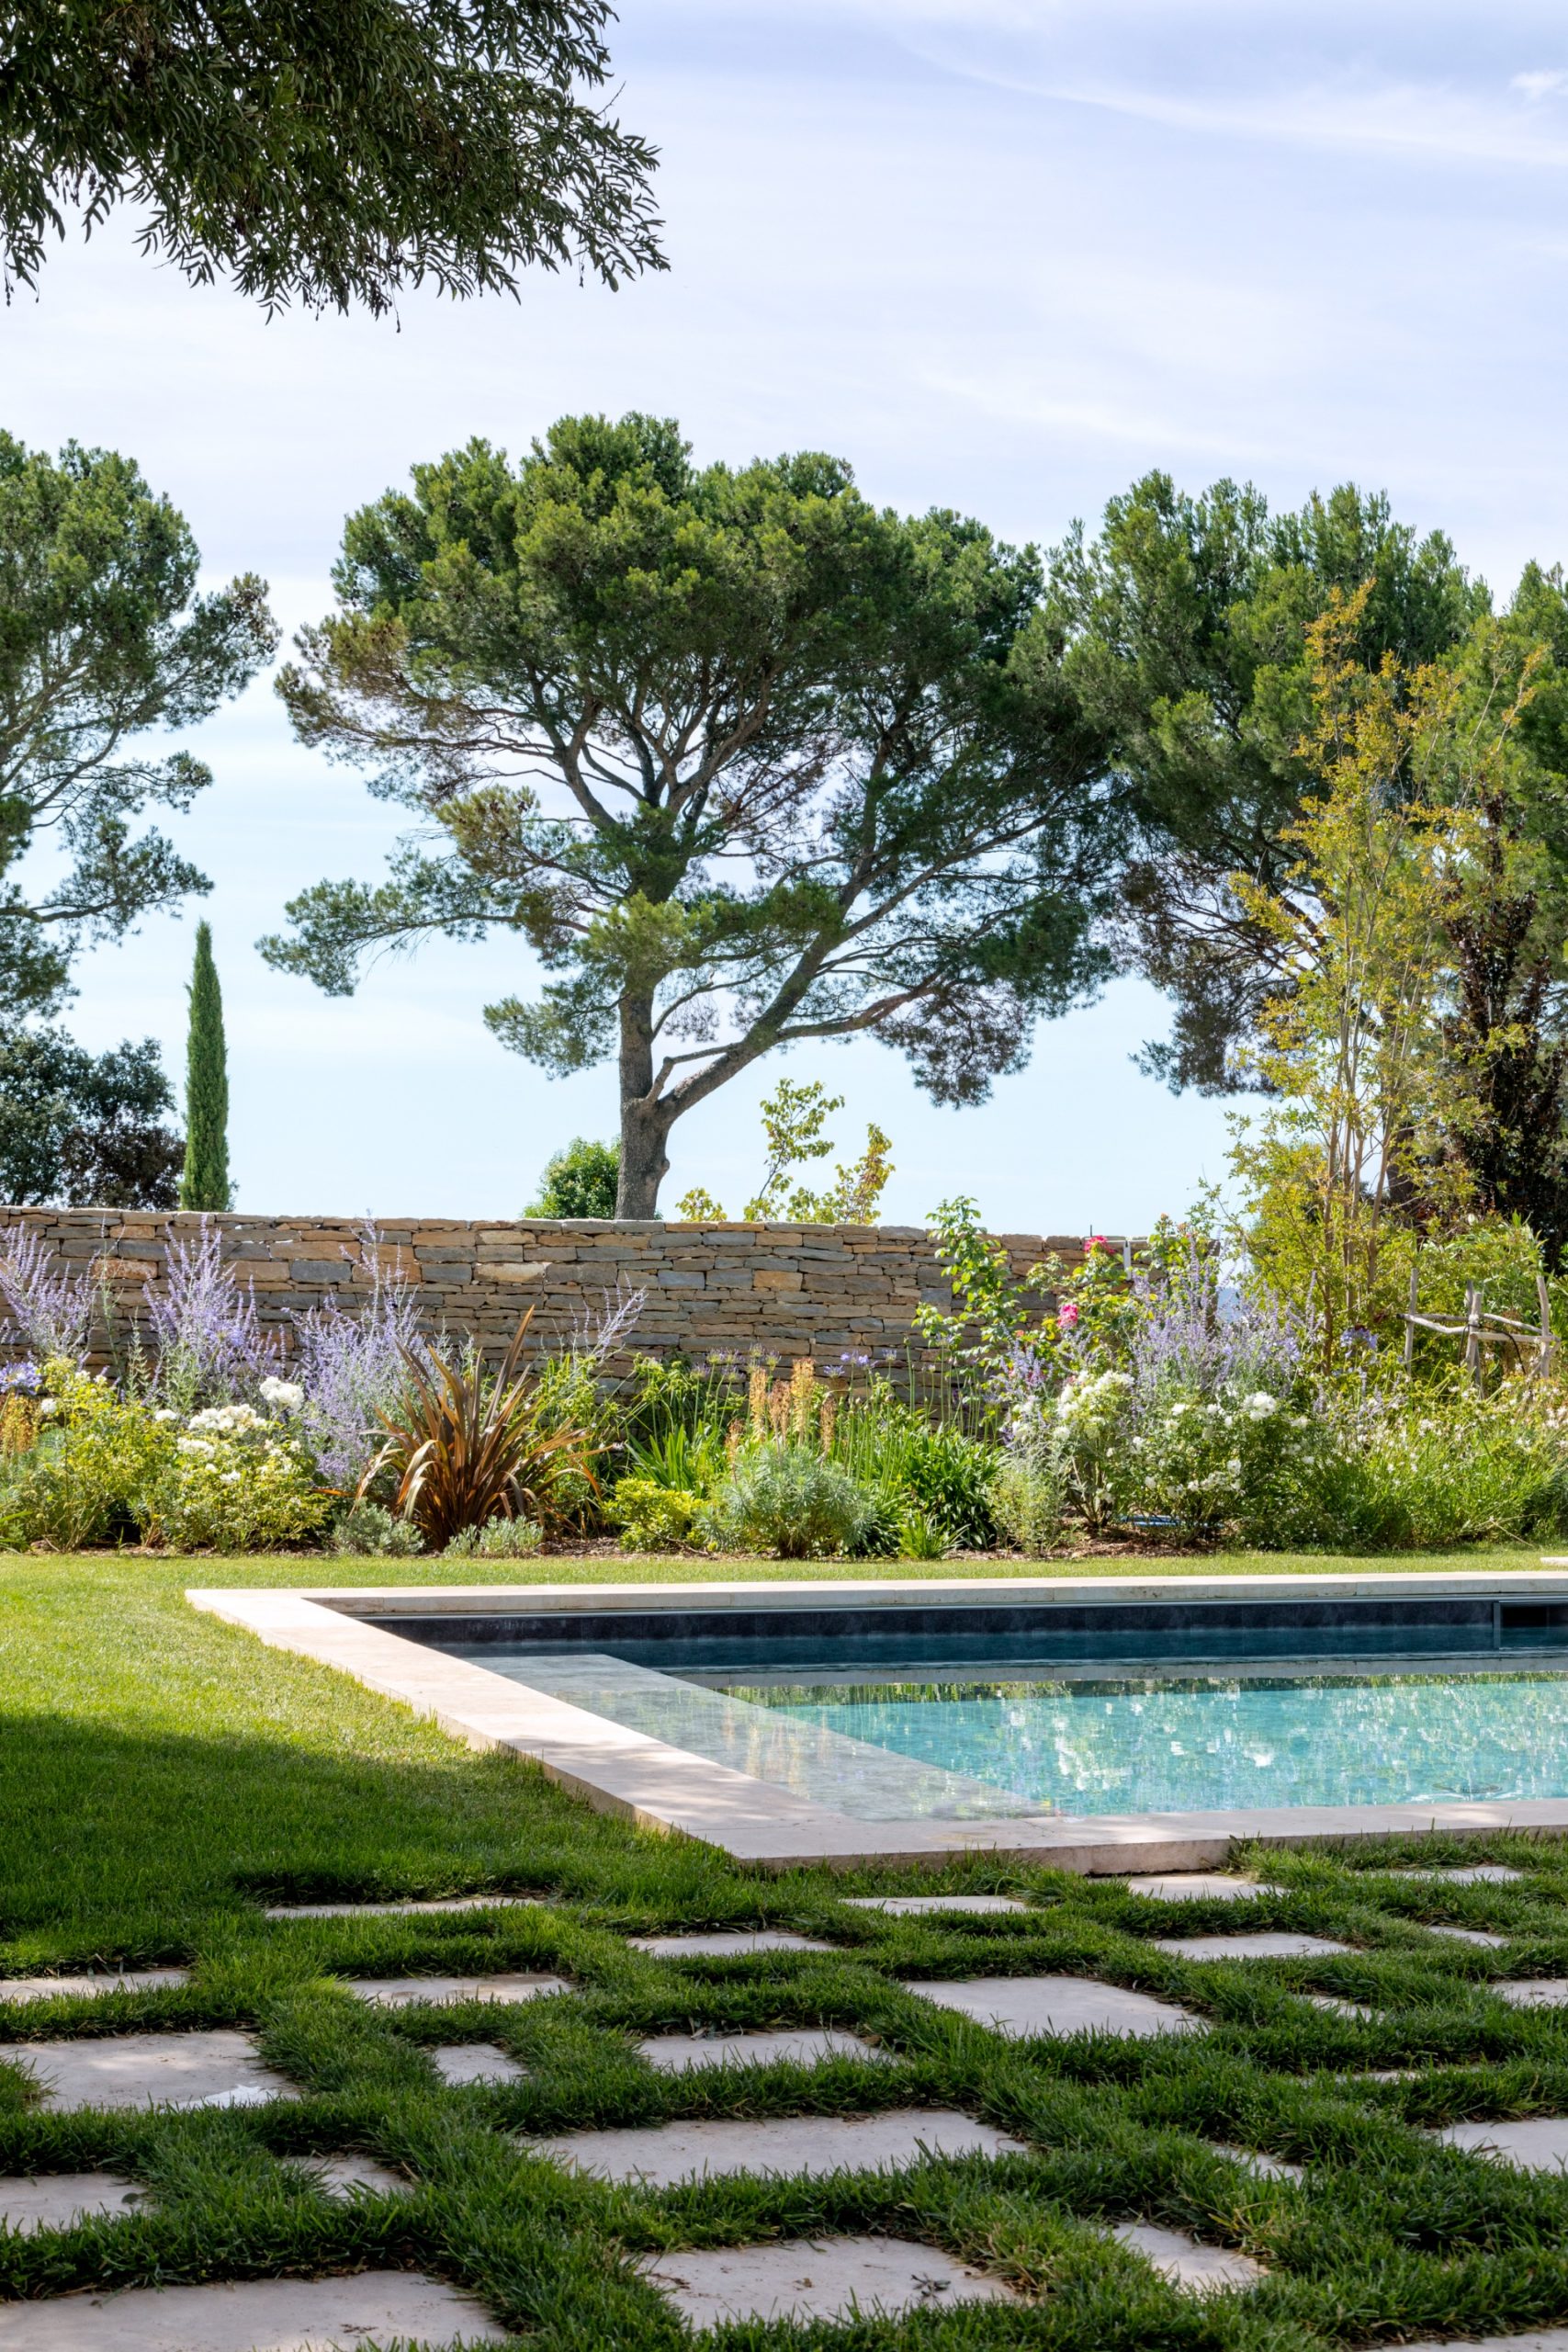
(717, 1642)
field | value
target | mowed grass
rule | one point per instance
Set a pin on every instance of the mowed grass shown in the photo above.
(163, 1776)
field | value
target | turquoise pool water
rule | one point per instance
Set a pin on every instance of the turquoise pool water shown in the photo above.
(1200, 1744)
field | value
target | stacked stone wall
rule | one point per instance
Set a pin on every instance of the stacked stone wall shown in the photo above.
(784, 1290)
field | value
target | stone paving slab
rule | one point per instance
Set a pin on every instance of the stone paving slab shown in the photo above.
(212, 2069)
(1534, 2143)
(1533, 1992)
(1335, 2007)
(825, 2278)
(680, 2053)
(911, 1906)
(1199, 1886)
(1541, 2339)
(408, 1992)
(659, 2155)
(461, 2062)
(726, 1943)
(57, 2200)
(1199, 2270)
(258, 2315)
(90, 1988)
(1282, 1946)
(1259, 2161)
(1468, 1936)
(402, 1909)
(1032, 2005)
(352, 2174)
(1473, 1874)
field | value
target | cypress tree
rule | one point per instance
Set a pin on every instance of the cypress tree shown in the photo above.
(205, 1183)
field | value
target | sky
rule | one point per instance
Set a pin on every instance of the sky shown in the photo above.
(1004, 256)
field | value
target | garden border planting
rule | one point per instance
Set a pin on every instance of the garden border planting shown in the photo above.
(644, 1780)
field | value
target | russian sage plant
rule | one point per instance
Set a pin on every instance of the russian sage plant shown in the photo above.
(208, 1344)
(353, 1368)
(48, 1309)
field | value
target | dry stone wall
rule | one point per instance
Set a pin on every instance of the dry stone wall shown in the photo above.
(784, 1290)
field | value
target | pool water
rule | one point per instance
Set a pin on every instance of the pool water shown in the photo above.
(1201, 1744)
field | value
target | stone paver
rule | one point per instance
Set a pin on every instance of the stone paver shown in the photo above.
(1468, 1936)
(725, 1943)
(406, 1992)
(57, 2200)
(1029, 2005)
(1335, 2007)
(215, 2069)
(1199, 2270)
(352, 2174)
(660, 2154)
(401, 1909)
(1194, 1886)
(1534, 2143)
(260, 2315)
(914, 1907)
(680, 2053)
(1533, 1992)
(1282, 1945)
(817, 2278)
(1540, 2339)
(1259, 2161)
(1473, 1874)
(85, 1987)
(460, 2062)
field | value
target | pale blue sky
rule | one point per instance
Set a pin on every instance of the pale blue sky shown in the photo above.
(1003, 255)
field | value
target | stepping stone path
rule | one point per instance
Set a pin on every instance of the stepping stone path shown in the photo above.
(1533, 1992)
(217, 2069)
(1332, 2002)
(57, 2200)
(912, 1906)
(1258, 1947)
(75, 1988)
(1199, 1886)
(409, 1992)
(828, 2278)
(1468, 1936)
(352, 2175)
(401, 1910)
(1199, 2270)
(725, 1943)
(462, 2063)
(680, 2053)
(280, 2314)
(1534, 2143)
(1258, 2160)
(1475, 1875)
(1032, 2005)
(1541, 2339)
(659, 2155)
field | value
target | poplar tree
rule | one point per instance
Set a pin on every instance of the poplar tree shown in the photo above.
(205, 1184)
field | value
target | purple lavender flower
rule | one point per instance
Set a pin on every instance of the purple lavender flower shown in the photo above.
(23, 1379)
(351, 1367)
(49, 1310)
(208, 1342)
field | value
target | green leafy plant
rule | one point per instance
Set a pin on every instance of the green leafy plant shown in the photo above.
(792, 1118)
(652, 1516)
(580, 1180)
(367, 1531)
(465, 1446)
(1029, 1498)
(498, 1539)
(786, 1499)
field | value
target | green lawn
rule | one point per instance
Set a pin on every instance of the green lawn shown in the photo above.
(160, 1772)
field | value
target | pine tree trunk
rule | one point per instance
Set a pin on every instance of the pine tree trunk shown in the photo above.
(205, 1183)
(646, 1120)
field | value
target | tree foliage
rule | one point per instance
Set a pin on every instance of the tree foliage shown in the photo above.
(203, 1182)
(1186, 625)
(580, 1180)
(102, 639)
(793, 1116)
(328, 154)
(742, 759)
(82, 1129)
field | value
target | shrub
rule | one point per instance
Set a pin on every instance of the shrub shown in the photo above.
(1029, 1498)
(787, 1500)
(895, 1453)
(351, 1367)
(370, 1532)
(206, 1334)
(499, 1539)
(581, 1181)
(651, 1516)
(465, 1447)
(94, 1475)
(240, 1489)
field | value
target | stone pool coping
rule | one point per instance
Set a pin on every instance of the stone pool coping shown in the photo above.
(630, 1774)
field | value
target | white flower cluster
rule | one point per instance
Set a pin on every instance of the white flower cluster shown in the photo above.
(287, 1395)
(1259, 1405)
(1089, 1403)
(228, 1421)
